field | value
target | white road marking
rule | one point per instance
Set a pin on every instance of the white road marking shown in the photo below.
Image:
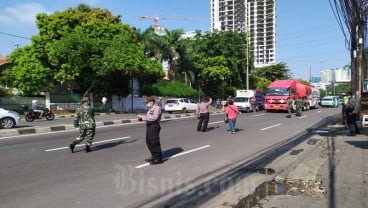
(98, 142)
(270, 127)
(177, 155)
(259, 115)
(303, 117)
(216, 122)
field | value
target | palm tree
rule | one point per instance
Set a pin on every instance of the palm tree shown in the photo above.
(169, 50)
(162, 47)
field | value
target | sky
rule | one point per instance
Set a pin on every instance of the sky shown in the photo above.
(308, 37)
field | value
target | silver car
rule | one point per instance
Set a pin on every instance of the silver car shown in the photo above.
(8, 119)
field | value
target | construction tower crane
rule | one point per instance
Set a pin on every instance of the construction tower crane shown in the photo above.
(159, 29)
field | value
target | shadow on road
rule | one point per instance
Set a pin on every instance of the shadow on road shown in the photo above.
(359, 144)
(172, 152)
(112, 144)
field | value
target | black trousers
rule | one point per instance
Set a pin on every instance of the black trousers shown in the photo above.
(351, 122)
(153, 139)
(203, 122)
(343, 114)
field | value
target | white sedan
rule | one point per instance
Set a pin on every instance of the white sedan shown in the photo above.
(8, 119)
(180, 105)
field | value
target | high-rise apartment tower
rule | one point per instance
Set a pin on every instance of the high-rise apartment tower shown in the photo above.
(255, 17)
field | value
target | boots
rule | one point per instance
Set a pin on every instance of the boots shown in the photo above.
(88, 148)
(150, 159)
(72, 146)
(157, 159)
(352, 130)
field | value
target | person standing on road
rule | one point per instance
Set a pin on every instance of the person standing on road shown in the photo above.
(289, 107)
(344, 104)
(352, 111)
(153, 129)
(299, 106)
(232, 114)
(227, 102)
(84, 118)
(159, 101)
(253, 103)
(203, 114)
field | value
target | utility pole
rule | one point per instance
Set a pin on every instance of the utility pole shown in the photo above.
(360, 47)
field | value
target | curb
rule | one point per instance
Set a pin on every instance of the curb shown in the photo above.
(37, 130)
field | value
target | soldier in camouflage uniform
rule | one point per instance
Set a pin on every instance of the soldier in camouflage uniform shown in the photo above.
(289, 107)
(84, 118)
(299, 106)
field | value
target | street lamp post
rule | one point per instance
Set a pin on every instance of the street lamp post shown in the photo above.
(247, 55)
(247, 39)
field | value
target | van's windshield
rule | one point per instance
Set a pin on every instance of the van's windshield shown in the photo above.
(241, 99)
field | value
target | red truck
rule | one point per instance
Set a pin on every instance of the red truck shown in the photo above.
(279, 91)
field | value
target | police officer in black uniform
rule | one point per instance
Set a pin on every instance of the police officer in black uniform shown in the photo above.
(153, 119)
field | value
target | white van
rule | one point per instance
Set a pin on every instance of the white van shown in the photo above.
(243, 104)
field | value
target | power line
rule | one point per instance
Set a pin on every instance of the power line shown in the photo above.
(17, 36)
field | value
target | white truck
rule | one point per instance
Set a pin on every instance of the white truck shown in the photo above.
(242, 99)
(245, 93)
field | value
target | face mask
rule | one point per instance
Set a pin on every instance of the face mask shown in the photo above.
(148, 105)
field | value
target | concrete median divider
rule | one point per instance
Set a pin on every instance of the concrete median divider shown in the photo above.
(68, 127)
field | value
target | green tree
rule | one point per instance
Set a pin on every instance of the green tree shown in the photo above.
(27, 72)
(259, 83)
(231, 46)
(90, 47)
(274, 72)
(338, 89)
(170, 88)
(214, 62)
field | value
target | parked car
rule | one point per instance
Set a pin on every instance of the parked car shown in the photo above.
(8, 118)
(180, 105)
(330, 101)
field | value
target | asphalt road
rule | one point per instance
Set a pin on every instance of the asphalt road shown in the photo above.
(39, 171)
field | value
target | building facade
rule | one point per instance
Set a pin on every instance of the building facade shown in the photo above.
(257, 18)
(338, 75)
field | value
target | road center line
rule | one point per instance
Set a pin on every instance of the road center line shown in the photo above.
(176, 155)
(98, 142)
(270, 127)
(303, 117)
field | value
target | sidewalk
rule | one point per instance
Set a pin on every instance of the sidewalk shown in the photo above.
(102, 119)
(335, 181)
(319, 172)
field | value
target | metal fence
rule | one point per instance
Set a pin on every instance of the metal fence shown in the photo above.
(16, 102)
